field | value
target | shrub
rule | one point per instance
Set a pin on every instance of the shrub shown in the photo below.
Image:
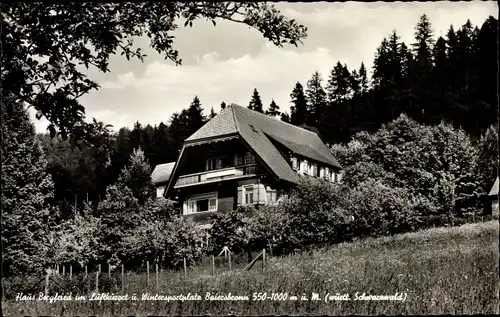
(378, 209)
(266, 228)
(229, 229)
(76, 241)
(436, 162)
(167, 242)
(316, 212)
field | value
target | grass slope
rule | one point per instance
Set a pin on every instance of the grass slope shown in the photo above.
(442, 271)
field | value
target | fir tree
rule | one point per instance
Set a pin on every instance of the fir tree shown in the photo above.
(223, 105)
(285, 117)
(256, 103)
(27, 194)
(137, 177)
(195, 117)
(273, 110)
(299, 105)
(316, 99)
(339, 84)
(212, 113)
(381, 73)
(120, 211)
(363, 79)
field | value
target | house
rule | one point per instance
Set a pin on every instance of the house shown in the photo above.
(160, 176)
(242, 157)
(493, 198)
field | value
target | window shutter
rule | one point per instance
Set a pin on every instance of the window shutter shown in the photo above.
(240, 195)
(262, 196)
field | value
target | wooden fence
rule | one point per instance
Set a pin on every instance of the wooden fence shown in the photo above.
(66, 271)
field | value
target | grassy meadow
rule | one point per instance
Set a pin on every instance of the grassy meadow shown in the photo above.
(451, 270)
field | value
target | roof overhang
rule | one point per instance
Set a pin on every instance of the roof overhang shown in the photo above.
(212, 140)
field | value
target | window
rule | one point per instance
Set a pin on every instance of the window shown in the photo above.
(309, 169)
(249, 158)
(220, 163)
(315, 170)
(201, 203)
(210, 164)
(326, 175)
(336, 178)
(248, 194)
(294, 163)
(271, 195)
(238, 160)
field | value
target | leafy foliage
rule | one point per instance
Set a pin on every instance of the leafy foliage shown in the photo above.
(76, 242)
(227, 229)
(436, 163)
(166, 242)
(488, 158)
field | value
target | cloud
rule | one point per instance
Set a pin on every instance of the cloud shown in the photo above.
(229, 61)
(164, 88)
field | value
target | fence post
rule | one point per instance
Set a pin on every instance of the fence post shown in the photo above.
(263, 259)
(229, 261)
(109, 270)
(97, 280)
(64, 269)
(99, 270)
(85, 270)
(47, 278)
(156, 269)
(147, 268)
(185, 269)
(123, 276)
(70, 271)
(213, 265)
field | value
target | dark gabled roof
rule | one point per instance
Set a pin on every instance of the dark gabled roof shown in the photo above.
(298, 140)
(258, 130)
(222, 124)
(494, 189)
(161, 173)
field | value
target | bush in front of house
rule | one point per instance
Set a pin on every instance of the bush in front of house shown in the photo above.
(229, 229)
(316, 214)
(268, 227)
(379, 209)
(75, 242)
(162, 236)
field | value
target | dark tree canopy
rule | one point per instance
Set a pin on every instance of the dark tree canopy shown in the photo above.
(45, 46)
(255, 103)
(274, 109)
(299, 105)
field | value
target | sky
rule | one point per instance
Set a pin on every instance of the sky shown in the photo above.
(226, 62)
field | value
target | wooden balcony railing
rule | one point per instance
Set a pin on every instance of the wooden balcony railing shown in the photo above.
(218, 174)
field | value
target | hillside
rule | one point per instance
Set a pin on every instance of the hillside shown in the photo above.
(439, 271)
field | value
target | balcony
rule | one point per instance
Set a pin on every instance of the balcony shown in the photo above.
(216, 175)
